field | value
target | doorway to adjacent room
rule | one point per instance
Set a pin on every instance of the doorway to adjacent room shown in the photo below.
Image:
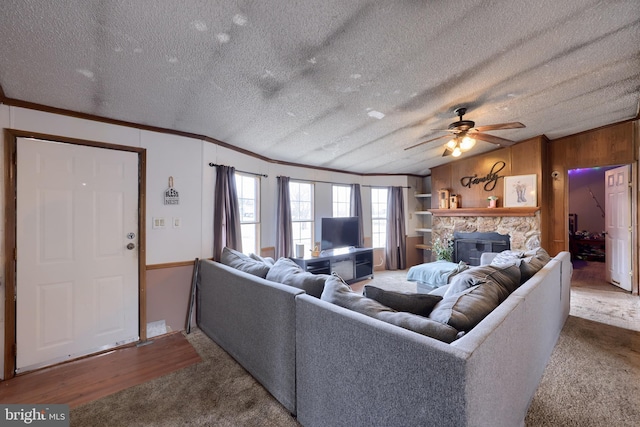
(600, 225)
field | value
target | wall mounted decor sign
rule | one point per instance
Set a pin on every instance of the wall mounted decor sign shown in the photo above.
(171, 196)
(489, 180)
(520, 191)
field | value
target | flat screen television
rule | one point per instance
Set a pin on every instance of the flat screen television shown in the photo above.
(339, 233)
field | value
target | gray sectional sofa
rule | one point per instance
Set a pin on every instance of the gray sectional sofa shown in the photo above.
(334, 366)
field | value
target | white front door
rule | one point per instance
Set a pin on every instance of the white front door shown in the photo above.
(76, 279)
(618, 227)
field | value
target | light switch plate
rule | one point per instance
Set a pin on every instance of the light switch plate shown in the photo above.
(157, 222)
(177, 222)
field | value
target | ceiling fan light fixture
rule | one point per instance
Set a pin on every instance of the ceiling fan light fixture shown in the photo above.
(456, 152)
(467, 143)
(453, 143)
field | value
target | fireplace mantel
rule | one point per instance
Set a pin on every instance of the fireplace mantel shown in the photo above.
(501, 212)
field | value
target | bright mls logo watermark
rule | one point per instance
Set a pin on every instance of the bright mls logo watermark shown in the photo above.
(34, 415)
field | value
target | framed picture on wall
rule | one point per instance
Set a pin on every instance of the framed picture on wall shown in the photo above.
(520, 191)
(573, 223)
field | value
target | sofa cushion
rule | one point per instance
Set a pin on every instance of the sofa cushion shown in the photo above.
(336, 292)
(287, 272)
(466, 309)
(507, 276)
(420, 304)
(243, 262)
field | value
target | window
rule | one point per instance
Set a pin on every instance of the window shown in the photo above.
(248, 188)
(302, 215)
(379, 217)
(341, 200)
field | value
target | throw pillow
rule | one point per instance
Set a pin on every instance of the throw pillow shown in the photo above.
(507, 276)
(336, 292)
(243, 262)
(420, 304)
(465, 310)
(267, 260)
(287, 272)
(532, 262)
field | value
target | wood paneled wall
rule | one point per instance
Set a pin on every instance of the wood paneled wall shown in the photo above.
(520, 159)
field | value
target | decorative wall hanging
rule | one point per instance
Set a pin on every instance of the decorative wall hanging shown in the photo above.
(520, 191)
(171, 196)
(489, 180)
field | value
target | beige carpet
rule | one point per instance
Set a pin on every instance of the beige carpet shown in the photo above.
(592, 379)
(214, 392)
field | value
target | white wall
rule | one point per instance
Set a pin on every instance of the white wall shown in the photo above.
(179, 158)
(186, 160)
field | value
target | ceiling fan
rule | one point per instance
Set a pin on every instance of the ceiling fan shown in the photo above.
(465, 134)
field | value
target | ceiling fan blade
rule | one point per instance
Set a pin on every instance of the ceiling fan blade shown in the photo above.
(493, 139)
(500, 126)
(428, 140)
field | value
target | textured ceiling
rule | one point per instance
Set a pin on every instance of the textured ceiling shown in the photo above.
(338, 84)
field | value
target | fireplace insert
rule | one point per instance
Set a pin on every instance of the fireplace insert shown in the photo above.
(468, 247)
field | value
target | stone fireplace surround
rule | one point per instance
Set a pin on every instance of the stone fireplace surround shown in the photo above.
(523, 231)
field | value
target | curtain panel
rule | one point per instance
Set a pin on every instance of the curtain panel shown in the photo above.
(356, 210)
(396, 244)
(226, 212)
(284, 230)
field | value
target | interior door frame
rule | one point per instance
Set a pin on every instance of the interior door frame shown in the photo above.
(10, 238)
(635, 218)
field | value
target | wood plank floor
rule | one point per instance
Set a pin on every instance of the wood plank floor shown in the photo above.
(91, 378)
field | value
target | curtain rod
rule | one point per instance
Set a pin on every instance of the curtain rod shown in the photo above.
(334, 183)
(381, 186)
(317, 181)
(248, 173)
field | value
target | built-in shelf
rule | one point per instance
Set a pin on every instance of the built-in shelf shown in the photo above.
(424, 203)
(525, 211)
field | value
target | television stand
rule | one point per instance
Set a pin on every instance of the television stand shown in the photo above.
(351, 264)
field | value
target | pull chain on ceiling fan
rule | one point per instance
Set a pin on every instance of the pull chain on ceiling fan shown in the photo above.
(465, 134)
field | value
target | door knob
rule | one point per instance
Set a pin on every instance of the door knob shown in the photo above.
(131, 246)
